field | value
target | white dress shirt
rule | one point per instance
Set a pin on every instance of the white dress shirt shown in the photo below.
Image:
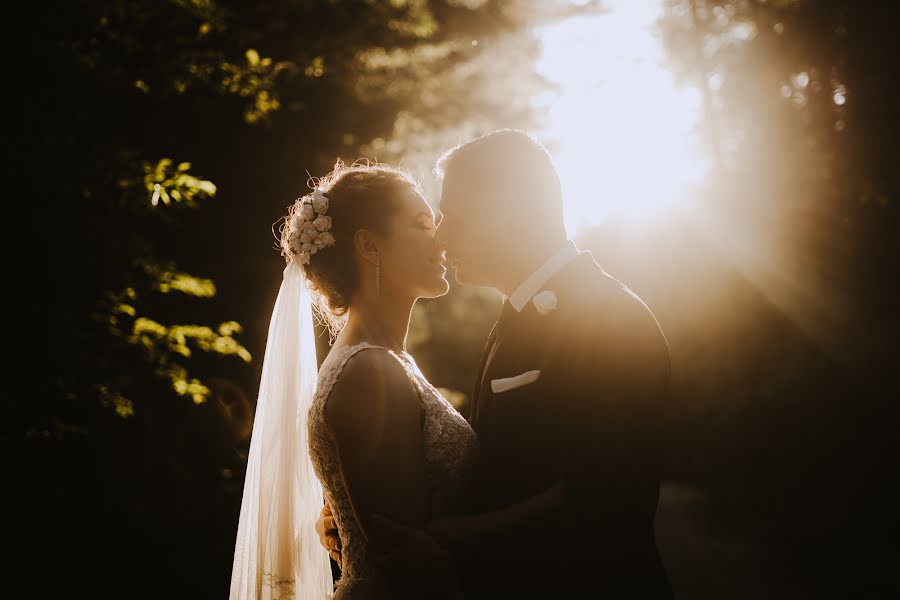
(533, 284)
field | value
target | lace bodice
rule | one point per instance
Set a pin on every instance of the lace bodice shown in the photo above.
(450, 446)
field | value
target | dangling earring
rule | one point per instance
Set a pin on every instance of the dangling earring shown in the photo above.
(377, 275)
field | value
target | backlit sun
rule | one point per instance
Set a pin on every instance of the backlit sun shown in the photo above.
(623, 136)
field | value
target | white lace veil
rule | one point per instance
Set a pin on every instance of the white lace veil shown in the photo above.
(277, 554)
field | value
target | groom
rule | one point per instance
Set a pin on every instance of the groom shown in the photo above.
(572, 382)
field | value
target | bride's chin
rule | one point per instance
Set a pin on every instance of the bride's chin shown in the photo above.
(439, 288)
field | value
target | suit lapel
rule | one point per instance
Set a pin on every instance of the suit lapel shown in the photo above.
(476, 388)
(490, 350)
(521, 330)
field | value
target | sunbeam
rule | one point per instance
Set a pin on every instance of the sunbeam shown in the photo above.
(620, 130)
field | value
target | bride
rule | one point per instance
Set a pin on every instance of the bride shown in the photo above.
(381, 440)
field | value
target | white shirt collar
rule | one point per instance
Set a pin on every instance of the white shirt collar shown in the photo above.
(532, 285)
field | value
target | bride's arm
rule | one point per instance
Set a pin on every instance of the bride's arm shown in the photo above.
(412, 544)
(452, 530)
(374, 413)
(376, 417)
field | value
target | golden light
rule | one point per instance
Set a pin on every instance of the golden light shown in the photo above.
(621, 132)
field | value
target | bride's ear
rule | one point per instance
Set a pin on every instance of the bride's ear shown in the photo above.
(366, 245)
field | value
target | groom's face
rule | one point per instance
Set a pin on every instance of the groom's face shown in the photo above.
(467, 228)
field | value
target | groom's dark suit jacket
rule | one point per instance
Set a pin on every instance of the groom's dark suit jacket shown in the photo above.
(593, 415)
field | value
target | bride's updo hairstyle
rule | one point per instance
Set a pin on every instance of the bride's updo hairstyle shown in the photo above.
(363, 195)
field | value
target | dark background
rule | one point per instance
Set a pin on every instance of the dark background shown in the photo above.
(137, 320)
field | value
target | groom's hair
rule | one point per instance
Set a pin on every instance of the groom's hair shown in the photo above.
(511, 158)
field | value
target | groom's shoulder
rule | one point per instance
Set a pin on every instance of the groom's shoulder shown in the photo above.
(592, 299)
(587, 288)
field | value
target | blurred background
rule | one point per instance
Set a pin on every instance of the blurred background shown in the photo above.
(735, 162)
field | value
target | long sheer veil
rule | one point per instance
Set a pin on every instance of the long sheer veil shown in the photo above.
(277, 555)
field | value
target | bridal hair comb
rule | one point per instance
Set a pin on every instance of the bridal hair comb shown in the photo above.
(311, 229)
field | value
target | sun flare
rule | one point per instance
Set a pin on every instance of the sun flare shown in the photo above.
(621, 132)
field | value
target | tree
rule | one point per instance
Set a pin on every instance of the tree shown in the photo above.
(146, 131)
(804, 207)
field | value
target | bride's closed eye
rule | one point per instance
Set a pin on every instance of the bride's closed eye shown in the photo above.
(425, 223)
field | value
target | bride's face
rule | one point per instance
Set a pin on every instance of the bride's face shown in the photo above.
(411, 258)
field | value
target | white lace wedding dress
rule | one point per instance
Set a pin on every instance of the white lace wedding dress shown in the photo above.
(450, 446)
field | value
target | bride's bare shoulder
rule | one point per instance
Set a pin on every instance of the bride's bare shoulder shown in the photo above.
(372, 385)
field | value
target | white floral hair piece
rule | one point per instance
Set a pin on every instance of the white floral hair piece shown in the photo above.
(312, 229)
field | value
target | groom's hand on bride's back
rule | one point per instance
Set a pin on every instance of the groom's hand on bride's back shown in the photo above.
(328, 534)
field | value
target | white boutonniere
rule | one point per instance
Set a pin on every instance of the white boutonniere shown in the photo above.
(545, 302)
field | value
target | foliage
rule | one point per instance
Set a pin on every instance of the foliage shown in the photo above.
(155, 144)
(799, 101)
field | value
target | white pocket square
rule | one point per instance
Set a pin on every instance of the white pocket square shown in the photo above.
(511, 383)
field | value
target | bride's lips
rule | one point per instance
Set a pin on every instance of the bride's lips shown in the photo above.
(439, 261)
